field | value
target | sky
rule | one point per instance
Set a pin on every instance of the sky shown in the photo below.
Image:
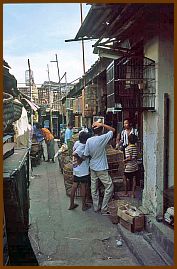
(37, 32)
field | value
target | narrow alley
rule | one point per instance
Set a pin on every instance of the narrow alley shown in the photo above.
(69, 237)
(72, 237)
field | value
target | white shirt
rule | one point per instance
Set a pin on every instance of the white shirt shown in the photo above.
(124, 135)
(95, 148)
(82, 169)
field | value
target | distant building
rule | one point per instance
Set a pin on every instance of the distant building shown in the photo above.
(49, 93)
(26, 90)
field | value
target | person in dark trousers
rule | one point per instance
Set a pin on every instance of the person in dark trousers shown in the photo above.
(80, 171)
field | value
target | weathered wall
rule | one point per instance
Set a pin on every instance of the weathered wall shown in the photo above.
(150, 137)
(166, 84)
(160, 49)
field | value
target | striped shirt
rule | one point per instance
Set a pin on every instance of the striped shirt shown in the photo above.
(132, 152)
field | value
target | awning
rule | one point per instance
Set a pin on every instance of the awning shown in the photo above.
(32, 105)
(122, 22)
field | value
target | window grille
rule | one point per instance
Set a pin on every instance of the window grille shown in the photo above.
(131, 83)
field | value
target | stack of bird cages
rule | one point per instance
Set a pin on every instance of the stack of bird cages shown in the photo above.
(90, 100)
(131, 83)
(115, 162)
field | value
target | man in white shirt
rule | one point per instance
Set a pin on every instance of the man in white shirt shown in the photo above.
(95, 148)
(80, 172)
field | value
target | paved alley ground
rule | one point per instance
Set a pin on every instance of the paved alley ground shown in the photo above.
(63, 237)
(72, 237)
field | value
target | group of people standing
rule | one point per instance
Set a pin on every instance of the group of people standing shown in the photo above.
(90, 164)
(90, 160)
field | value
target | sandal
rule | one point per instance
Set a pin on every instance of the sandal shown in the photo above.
(105, 213)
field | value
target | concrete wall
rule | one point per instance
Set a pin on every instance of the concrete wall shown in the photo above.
(150, 137)
(159, 49)
(166, 84)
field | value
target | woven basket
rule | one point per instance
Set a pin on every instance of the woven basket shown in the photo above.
(75, 137)
(113, 155)
(113, 208)
(12, 109)
(8, 109)
(68, 177)
(70, 144)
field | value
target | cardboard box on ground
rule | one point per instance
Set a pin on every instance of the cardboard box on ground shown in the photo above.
(131, 218)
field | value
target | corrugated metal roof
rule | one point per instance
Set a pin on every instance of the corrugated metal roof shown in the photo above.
(98, 19)
(122, 20)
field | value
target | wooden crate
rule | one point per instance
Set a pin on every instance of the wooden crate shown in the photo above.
(133, 224)
(136, 226)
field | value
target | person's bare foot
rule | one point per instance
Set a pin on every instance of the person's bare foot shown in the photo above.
(73, 207)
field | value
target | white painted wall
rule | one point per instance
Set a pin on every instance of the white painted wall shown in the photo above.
(159, 49)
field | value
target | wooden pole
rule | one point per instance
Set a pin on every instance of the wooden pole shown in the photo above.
(30, 84)
(50, 104)
(83, 59)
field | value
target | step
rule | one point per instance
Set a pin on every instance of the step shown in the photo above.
(149, 238)
(140, 248)
(162, 234)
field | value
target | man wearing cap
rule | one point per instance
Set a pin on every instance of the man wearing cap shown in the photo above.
(95, 149)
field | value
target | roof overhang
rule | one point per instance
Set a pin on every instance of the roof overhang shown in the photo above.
(31, 104)
(122, 22)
